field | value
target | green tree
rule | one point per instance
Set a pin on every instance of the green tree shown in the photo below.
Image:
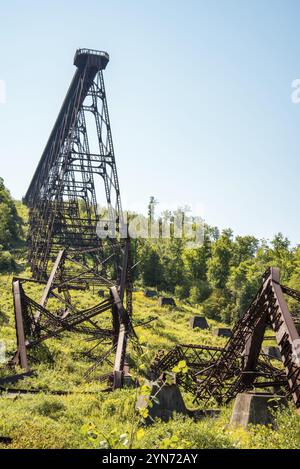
(243, 283)
(10, 222)
(219, 264)
(281, 256)
(10, 228)
(171, 259)
(150, 266)
(244, 248)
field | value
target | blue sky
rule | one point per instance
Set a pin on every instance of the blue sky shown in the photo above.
(199, 94)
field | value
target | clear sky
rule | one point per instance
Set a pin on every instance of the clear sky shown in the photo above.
(199, 94)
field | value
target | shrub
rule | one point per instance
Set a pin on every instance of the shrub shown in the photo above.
(215, 305)
(50, 407)
(7, 262)
(200, 292)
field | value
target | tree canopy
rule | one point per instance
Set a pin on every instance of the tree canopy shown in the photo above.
(10, 228)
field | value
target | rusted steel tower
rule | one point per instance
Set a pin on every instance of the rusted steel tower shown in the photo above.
(72, 243)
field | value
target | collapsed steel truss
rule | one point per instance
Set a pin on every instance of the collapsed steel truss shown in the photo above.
(221, 373)
(74, 245)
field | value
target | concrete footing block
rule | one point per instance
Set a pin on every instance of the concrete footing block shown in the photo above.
(198, 321)
(255, 409)
(272, 352)
(222, 332)
(167, 400)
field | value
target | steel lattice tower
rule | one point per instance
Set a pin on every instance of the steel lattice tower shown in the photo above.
(66, 252)
(62, 196)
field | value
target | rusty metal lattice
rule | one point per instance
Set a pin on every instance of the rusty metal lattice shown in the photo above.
(66, 251)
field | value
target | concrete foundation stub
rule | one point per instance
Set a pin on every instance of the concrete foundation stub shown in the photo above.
(166, 301)
(167, 400)
(150, 293)
(198, 321)
(272, 352)
(255, 409)
(222, 332)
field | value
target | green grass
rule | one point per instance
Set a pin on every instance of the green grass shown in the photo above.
(51, 421)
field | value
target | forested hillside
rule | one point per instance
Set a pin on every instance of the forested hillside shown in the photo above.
(85, 417)
(221, 275)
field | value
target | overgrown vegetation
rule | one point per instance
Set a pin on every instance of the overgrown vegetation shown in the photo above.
(88, 417)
